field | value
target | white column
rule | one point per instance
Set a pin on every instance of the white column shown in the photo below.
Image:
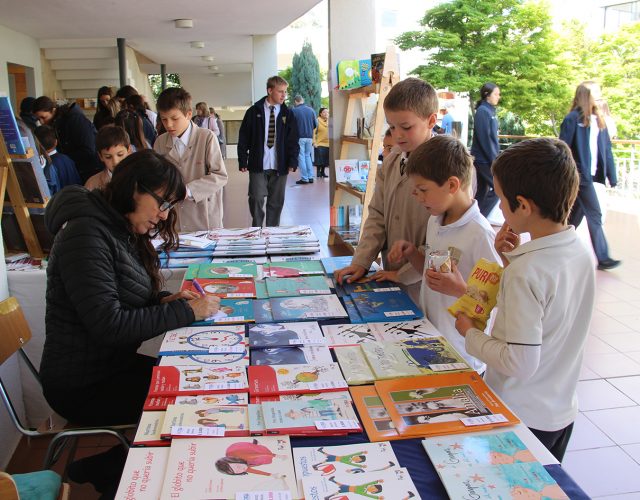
(265, 63)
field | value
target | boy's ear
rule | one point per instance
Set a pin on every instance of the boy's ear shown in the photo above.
(189, 114)
(525, 205)
(129, 149)
(454, 184)
(432, 120)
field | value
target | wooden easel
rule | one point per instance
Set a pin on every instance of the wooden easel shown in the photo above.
(9, 184)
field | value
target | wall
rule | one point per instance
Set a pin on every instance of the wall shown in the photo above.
(50, 85)
(139, 80)
(20, 49)
(233, 89)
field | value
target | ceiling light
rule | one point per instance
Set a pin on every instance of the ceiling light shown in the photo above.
(208, 58)
(183, 23)
(197, 45)
(213, 68)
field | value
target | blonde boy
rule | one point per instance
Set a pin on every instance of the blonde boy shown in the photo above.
(113, 146)
(440, 171)
(534, 353)
(411, 110)
(196, 153)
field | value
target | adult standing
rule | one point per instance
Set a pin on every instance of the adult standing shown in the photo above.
(103, 115)
(203, 118)
(268, 150)
(221, 137)
(485, 146)
(447, 119)
(321, 142)
(585, 131)
(76, 134)
(306, 122)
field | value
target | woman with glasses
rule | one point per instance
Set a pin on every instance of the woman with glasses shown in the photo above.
(104, 294)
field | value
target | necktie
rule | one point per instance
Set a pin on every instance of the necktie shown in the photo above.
(403, 165)
(271, 137)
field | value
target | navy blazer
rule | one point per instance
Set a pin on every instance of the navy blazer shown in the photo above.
(485, 146)
(576, 135)
(251, 139)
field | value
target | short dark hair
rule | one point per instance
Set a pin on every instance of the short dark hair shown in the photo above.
(126, 91)
(47, 136)
(412, 94)
(276, 80)
(43, 103)
(440, 158)
(172, 98)
(110, 136)
(541, 170)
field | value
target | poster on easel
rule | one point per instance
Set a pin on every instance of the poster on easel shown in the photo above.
(9, 128)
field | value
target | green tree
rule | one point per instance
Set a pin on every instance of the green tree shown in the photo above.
(155, 82)
(305, 76)
(509, 42)
(291, 91)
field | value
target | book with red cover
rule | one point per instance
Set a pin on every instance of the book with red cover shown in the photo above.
(268, 380)
(160, 403)
(196, 379)
(224, 288)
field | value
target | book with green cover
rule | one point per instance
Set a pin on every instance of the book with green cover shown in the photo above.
(292, 269)
(222, 270)
(354, 365)
(294, 287)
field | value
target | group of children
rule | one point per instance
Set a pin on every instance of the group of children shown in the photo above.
(423, 203)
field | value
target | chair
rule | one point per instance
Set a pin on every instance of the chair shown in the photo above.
(14, 335)
(39, 485)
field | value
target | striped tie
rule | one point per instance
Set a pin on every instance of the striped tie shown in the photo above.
(403, 165)
(271, 138)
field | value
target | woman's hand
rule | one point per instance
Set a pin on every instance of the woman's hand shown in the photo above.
(354, 271)
(185, 294)
(204, 307)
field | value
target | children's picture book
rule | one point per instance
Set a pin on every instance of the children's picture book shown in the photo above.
(223, 270)
(218, 468)
(348, 74)
(442, 404)
(234, 420)
(231, 311)
(285, 335)
(350, 460)
(348, 334)
(401, 330)
(365, 72)
(392, 483)
(377, 66)
(332, 264)
(247, 233)
(179, 263)
(184, 253)
(354, 365)
(291, 355)
(494, 482)
(383, 306)
(300, 230)
(149, 427)
(261, 289)
(196, 379)
(256, 260)
(299, 418)
(256, 420)
(193, 240)
(262, 311)
(293, 269)
(312, 307)
(354, 316)
(160, 403)
(143, 474)
(268, 380)
(363, 169)
(328, 396)
(9, 128)
(292, 258)
(407, 358)
(346, 170)
(235, 361)
(366, 285)
(203, 340)
(293, 287)
(374, 415)
(223, 288)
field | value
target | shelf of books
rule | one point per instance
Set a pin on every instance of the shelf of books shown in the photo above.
(302, 388)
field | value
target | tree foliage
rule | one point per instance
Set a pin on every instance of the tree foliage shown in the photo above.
(155, 82)
(305, 77)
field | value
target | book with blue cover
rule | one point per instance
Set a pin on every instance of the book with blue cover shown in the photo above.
(293, 287)
(9, 128)
(312, 307)
(232, 311)
(179, 263)
(384, 306)
(291, 355)
(262, 310)
(354, 316)
(366, 285)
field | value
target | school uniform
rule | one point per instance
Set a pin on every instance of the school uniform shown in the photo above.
(484, 149)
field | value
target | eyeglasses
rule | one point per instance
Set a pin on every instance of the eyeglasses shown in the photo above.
(163, 204)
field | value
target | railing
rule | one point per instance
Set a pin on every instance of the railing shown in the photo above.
(626, 154)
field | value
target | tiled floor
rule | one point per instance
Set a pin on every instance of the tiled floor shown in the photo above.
(604, 452)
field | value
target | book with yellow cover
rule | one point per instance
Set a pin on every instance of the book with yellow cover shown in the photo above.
(442, 404)
(373, 415)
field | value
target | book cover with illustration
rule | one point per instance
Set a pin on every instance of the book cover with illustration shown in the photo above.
(261, 289)
(256, 420)
(332, 264)
(377, 66)
(348, 72)
(291, 355)
(352, 311)
(230, 260)
(293, 269)
(298, 418)
(436, 404)
(262, 311)
(285, 334)
(365, 72)
(268, 380)
(374, 416)
(143, 474)
(148, 431)
(346, 170)
(383, 306)
(394, 483)
(328, 396)
(222, 270)
(196, 379)
(351, 460)
(347, 334)
(231, 311)
(235, 233)
(354, 365)
(275, 231)
(301, 285)
(407, 358)
(223, 288)
(182, 262)
(218, 468)
(234, 419)
(203, 340)
(495, 482)
(160, 403)
(368, 285)
(404, 330)
(235, 361)
(312, 307)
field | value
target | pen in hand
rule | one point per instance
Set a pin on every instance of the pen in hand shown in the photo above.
(198, 288)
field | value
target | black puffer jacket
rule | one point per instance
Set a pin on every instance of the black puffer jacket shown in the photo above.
(100, 305)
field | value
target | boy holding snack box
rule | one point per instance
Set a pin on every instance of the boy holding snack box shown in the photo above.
(458, 235)
(546, 296)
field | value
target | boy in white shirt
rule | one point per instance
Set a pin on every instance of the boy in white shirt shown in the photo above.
(441, 170)
(546, 293)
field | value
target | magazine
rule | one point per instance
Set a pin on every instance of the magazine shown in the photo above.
(222, 270)
(292, 269)
(234, 361)
(303, 397)
(231, 311)
(348, 334)
(401, 330)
